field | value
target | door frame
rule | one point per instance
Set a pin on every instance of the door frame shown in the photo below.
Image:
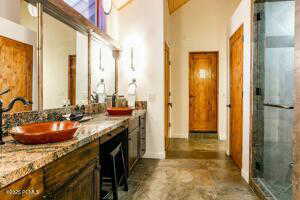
(241, 27)
(167, 114)
(217, 95)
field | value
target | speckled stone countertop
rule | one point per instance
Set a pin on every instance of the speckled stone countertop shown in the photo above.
(18, 160)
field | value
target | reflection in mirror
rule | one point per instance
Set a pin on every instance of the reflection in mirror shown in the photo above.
(65, 60)
(18, 62)
(103, 70)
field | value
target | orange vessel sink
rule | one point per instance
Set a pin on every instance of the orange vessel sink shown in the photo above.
(47, 132)
(119, 111)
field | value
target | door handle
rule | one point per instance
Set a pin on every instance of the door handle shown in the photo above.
(228, 106)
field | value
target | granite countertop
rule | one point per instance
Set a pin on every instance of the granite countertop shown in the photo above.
(18, 160)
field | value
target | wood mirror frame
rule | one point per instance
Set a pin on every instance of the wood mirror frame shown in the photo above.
(68, 15)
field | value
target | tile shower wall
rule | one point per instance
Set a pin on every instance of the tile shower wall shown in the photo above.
(273, 102)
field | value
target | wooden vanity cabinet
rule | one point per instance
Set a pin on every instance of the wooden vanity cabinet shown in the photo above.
(74, 176)
(136, 140)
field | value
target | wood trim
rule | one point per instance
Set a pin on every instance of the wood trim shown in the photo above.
(174, 5)
(89, 67)
(218, 57)
(40, 57)
(167, 88)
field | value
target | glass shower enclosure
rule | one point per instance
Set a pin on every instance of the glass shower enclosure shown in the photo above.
(273, 99)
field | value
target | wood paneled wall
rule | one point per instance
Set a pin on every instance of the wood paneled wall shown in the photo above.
(296, 177)
(16, 61)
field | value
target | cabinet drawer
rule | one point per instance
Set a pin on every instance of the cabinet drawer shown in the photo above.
(28, 188)
(64, 169)
(133, 124)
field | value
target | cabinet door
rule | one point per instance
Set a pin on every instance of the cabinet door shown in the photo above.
(135, 139)
(130, 151)
(133, 147)
(30, 187)
(142, 136)
(84, 186)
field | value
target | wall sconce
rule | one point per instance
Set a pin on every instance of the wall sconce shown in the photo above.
(101, 68)
(132, 67)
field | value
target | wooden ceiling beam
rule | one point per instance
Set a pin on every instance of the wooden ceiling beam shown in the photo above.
(174, 5)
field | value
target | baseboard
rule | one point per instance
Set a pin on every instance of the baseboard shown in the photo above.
(160, 156)
(179, 136)
(245, 175)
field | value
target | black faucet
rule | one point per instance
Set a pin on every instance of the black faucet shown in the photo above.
(9, 107)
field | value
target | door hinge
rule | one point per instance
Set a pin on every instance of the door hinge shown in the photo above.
(258, 92)
(258, 166)
(258, 16)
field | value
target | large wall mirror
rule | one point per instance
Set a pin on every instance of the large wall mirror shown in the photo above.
(67, 68)
(18, 68)
(65, 60)
(102, 69)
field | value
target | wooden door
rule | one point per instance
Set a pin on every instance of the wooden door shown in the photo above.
(236, 96)
(16, 61)
(203, 91)
(72, 79)
(167, 97)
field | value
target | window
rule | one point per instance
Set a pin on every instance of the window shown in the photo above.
(90, 9)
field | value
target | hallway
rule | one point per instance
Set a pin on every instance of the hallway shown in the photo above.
(195, 169)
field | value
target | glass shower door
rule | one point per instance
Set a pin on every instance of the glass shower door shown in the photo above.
(274, 95)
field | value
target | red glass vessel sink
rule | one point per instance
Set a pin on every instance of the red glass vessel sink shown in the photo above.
(119, 111)
(47, 132)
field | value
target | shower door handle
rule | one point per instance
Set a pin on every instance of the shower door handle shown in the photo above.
(279, 106)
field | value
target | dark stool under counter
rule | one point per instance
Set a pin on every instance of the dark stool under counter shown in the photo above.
(113, 173)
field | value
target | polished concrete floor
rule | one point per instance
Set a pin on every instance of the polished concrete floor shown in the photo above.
(195, 169)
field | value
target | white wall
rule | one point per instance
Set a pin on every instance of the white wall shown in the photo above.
(81, 68)
(140, 25)
(19, 33)
(198, 26)
(10, 9)
(243, 16)
(59, 43)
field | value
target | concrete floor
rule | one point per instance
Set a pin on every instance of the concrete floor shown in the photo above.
(195, 169)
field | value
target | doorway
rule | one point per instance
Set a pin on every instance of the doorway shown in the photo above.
(203, 92)
(168, 104)
(236, 96)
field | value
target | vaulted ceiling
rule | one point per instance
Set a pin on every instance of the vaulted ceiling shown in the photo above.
(176, 4)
